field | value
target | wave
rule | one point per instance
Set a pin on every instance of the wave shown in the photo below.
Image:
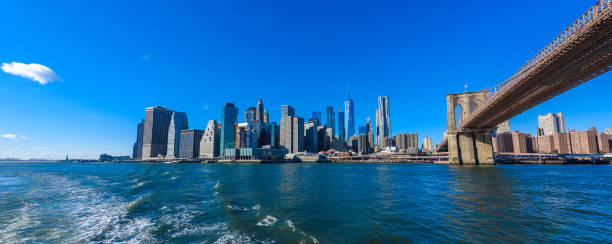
(244, 209)
(141, 184)
(290, 224)
(217, 185)
(268, 221)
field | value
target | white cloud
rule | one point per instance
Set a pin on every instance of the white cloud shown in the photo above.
(13, 137)
(36, 72)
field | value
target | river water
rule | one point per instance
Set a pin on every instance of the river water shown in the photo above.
(303, 203)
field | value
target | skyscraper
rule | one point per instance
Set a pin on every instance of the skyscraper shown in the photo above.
(209, 145)
(229, 119)
(349, 117)
(155, 132)
(287, 110)
(331, 119)
(190, 143)
(137, 152)
(266, 118)
(249, 114)
(383, 119)
(177, 123)
(310, 136)
(370, 134)
(552, 123)
(292, 134)
(341, 135)
(317, 115)
(260, 112)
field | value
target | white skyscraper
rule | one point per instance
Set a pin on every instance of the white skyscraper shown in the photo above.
(383, 119)
(552, 123)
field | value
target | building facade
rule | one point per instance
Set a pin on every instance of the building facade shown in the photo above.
(331, 119)
(287, 110)
(522, 143)
(178, 122)
(189, 143)
(260, 112)
(292, 134)
(137, 150)
(209, 145)
(383, 118)
(349, 118)
(310, 136)
(229, 119)
(155, 132)
(249, 114)
(341, 135)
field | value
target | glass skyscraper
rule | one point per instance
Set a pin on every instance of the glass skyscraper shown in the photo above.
(349, 118)
(341, 125)
(331, 119)
(229, 118)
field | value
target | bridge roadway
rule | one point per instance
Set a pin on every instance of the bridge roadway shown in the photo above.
(582, 52)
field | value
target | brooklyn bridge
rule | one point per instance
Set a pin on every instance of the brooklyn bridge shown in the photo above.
(580, 53)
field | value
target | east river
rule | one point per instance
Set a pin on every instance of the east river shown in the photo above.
(303, 203)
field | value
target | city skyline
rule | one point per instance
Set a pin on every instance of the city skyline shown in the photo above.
(43, 117)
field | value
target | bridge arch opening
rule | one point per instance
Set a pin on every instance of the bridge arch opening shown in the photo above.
(473, 107)
(458, 115)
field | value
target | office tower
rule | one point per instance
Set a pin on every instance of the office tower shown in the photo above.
(260, 112)
(189, 143)
(266, 118)
(287, 110)
(246, 136)
(353, 143)
(349, 117)
(269, 135)
(552, 123)
(331, 119)
(322, 144)
(363, 144)
(292, 133)
(177, 123)
(370, 134)
(137, 151)
(249, 114)
(209, 145)
(310, 136)
(155, 132)
(229, 119)
(383, 119)
(341, 135)
(317, 115)
(428, 145)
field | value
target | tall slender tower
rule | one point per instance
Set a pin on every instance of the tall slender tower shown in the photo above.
(331, 119)
(383, 119)
(229, 119)
(260, 111)
(349, 117)
(341, 134)
(177, 123)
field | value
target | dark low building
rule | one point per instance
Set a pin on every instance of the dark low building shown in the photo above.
(189, 143)
(109, 158)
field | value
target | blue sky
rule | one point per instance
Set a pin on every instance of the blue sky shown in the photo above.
(115, 58)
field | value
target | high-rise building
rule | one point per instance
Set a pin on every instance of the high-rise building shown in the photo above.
(341, 135)
(155, 132)
(522, 143)
(292, 133)
(177, 123)
(363, 144)
(310, 139)
(246, 136)
(209, 145)
(370, 134)
(552, 123)
(407, 142)
(229, 119)
(266, 118)
(137, 151)
(502, 142)
(260, 112)
(317, 115)
(428, 146)
(190, 143)
(349, 117)
(353, 143)
(383, 119)
(331, 119)
(249, 114)
(584, 142)
(605, 143)
(287, 110)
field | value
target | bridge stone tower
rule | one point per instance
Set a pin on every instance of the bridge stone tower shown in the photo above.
(467, 145)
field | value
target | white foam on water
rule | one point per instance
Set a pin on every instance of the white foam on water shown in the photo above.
(217, 185)
(174, 178)
(234, 237)
(290, 224)
(142, 184)
(314, 240)
(189, 229)
(268, 221)
(236, 208)
(256, 207)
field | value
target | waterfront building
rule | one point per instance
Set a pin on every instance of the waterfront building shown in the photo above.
(178, 122)
(349, 117)
(552, 123)
(608, 131)
(269, 135)
(583, 142)
(522, 142)
(605, 143)
(386, 143)
(338, 145)
(331, 119)
(407, 142)
(249, 114)
(229, 119)
(317, 115)
(370, 134)
(109, 158)
(310, 136)
(189, 143)
(292, 133)
(209, 145)
(383, 119)
(322, 143)
(265, 153)
(260, 112)
(562, 143)
(363, 144)
(503, 127)
(545, 144)
(502, 142)
(155, 132)
(287, 110)
(137, 150)
(341, 135)
(246, 136)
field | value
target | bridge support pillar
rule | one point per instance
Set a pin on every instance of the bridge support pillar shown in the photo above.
(471, 147)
